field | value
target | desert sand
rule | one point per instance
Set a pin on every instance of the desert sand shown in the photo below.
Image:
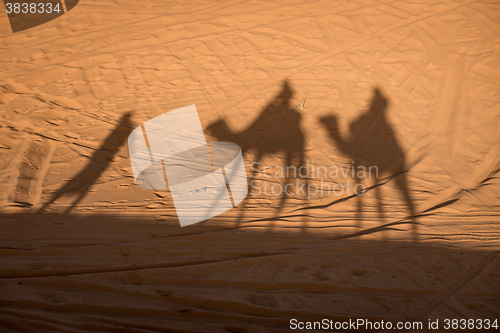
(411, 88)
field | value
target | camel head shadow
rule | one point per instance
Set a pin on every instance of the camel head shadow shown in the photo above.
(98, 162)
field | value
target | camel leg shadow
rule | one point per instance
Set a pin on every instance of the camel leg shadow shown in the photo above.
(402, 185)
(380, 208)
(283, 197)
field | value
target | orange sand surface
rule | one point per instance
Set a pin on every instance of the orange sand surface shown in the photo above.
(409, 87)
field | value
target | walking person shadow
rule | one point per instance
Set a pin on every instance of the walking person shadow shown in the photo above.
(99, 161)
(277, 130)
(372, 144)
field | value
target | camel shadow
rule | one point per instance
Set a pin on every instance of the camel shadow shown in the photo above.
(277, 130)
(372, 145)
(80, 184)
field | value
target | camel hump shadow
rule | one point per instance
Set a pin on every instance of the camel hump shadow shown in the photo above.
(373, 143)
(80, 184)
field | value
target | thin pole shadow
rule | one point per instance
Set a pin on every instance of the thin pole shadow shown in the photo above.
(99, 161)
(277, 130)
(372, 144)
